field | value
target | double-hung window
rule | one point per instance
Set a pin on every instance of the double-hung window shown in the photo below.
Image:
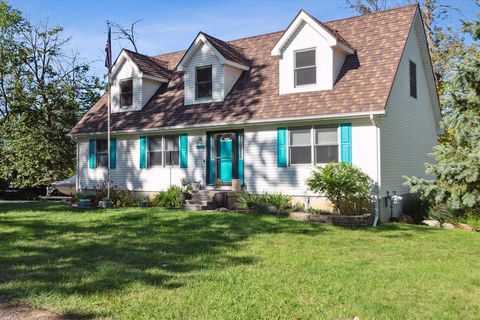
(101, 153)
(305, 67)
(171, 151)
(326, 145)
(203, 82)
(163, 151)
(321, 143)
(300, 148)
(155, 151)
(126, 92)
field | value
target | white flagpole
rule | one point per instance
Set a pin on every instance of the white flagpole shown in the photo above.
(108, 116)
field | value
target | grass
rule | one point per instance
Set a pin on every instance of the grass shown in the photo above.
(152, 263)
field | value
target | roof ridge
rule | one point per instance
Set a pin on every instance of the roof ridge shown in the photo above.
(415, 4)
(280, 31)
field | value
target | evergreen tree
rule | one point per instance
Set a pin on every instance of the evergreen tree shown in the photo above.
(457, 167)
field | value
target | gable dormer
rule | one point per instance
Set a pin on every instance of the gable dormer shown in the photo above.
(211, 67)
(310, 55)
(134, 79)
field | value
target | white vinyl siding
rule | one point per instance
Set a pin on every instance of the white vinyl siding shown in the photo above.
(203, 56)
(231, 76)
(143, 89)
(128, 173)
(338, 60)
(260, 162)
(305, 37)
(408, 131)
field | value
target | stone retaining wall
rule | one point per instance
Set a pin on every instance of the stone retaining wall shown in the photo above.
(356, 221)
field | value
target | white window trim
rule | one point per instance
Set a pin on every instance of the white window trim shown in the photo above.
(309, 85)
(163, 164)
(312, 144)
(120, 93)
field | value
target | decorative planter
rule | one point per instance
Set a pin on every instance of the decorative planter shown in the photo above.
(84, 203)
(220, 199)
(236, 185)
(143, 203)
(185, 196)
(105, 204)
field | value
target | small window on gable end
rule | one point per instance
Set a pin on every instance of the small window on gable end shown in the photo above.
(413, 79)
(305, 67)
(203, 82)
(126, 92)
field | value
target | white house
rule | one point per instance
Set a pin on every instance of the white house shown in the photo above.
(267, 108)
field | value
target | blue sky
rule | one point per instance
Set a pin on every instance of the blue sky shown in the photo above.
(172, 25)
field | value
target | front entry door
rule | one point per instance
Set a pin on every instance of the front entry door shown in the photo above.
(224, 157)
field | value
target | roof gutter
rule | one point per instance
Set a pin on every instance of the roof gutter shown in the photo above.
(247, 123)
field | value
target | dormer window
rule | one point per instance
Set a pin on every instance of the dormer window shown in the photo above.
(305, 68)
(126, 92)
(203, 82)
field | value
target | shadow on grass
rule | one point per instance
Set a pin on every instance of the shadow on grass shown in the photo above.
(49, 249)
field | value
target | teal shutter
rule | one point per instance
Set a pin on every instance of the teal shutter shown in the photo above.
(346, 142)
(183, 150)
(211, 168)
(281, 147)
(91, 154)
(113, 153)
(240, 157)
(143, 152)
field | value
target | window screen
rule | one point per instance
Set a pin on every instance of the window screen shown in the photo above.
(203, 82)
(305, 68)
(154, 151)
(326, 144)
(171, 151)
(102, 153)
(413, 79)
(126, 93)
(300, 146)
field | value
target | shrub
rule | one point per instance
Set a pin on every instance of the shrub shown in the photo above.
(168, 199)
(341, 182)
(265, 202)
(120, 197)
(415, 207)
(441, 212)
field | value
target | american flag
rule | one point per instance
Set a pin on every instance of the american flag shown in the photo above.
(108, 50)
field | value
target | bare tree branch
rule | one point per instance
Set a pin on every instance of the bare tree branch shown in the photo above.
(126, 33)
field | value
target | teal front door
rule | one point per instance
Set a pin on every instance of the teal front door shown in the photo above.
(224, 158)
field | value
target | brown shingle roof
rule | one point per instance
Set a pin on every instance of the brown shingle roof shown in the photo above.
(363, 85)
(228, 50)
(149, 65)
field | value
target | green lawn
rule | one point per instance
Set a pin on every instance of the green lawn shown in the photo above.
(152, 263)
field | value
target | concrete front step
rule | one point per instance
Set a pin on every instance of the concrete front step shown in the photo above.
(194, 207)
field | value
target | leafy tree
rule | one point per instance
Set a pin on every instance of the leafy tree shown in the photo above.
(339, 182)
(48, 90)
(457, 166)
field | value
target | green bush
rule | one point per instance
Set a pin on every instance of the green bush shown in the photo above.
(168, 199)
(265, 202)
(120, 197)
(341, 182)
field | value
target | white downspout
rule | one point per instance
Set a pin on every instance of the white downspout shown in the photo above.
(377, 195)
